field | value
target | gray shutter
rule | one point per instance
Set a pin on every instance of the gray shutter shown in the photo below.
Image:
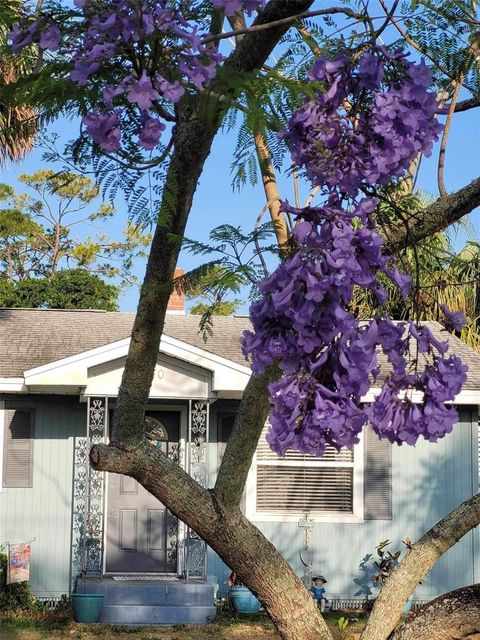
(377, 477)
(18, 450)
(224, 431)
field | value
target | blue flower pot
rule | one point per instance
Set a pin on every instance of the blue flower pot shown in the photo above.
(243, 600)
(87, 607)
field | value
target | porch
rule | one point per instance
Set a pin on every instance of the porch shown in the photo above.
(151, 568)
(138, 601)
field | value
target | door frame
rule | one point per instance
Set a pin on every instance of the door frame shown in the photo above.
(182, 439)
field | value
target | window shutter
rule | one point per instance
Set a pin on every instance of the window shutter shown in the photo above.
(378, 477)
(224, 431)
(18, 455)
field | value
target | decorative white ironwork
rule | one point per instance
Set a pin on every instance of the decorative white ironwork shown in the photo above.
(198, 422)
(88, 496)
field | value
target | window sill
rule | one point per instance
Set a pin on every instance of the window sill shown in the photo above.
(332, 518)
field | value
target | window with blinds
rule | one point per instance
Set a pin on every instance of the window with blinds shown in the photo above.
(18, 449)
(302, 483)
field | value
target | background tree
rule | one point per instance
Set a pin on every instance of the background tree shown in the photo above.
(197, 116)
(38, 232)
(66, 289)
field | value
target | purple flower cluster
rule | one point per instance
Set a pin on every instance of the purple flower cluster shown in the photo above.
(232, 6)
(152, 47)
(360, 131)
(303, 319)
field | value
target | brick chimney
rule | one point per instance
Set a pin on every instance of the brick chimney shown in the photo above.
(176, 303)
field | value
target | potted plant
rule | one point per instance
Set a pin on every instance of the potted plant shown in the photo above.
(383, 567)
(242, 599)
(87, 607)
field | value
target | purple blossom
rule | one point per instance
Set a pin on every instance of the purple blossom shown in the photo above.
(150, 133)
(82, 71)
(142, 92)
(170, 90)
(454, 321)
(232, 6)
(21, 36)
(104, 129)
(50, 38)
(110, 93)
(328, 358)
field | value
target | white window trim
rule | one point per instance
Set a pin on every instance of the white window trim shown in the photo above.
(358, 498)
(2, 439)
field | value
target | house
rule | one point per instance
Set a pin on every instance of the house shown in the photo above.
(59, 377)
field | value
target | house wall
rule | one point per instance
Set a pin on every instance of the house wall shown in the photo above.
(44, 511)
(428, 481)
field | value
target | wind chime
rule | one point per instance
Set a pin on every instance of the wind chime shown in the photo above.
(306, 553)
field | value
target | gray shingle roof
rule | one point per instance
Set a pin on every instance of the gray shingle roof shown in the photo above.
(32, 337)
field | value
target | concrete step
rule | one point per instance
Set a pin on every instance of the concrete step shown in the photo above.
(137, 615)
(151, 593)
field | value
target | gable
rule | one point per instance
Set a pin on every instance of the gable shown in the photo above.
(172, 379)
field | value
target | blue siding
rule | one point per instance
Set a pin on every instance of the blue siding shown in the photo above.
(45, 510)
(429, 480)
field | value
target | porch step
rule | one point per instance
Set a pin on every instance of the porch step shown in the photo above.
(152, 603)
(134, 615)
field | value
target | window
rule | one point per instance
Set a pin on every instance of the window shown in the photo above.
(18, 448)
(329, 487)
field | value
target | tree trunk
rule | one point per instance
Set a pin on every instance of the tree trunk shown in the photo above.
(453, 616)
(419, 560)
(237, 541)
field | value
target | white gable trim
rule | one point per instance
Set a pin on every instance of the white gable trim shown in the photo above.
(228, 376)
(14, 385)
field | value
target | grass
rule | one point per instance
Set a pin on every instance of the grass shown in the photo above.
(227, 627)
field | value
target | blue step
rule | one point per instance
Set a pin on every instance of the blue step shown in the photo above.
(136, 615)
(150, 602)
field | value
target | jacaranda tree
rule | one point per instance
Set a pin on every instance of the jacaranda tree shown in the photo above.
(147, 71)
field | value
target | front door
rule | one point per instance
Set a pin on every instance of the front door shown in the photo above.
(141, 532)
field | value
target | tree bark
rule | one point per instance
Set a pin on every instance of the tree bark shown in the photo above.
(237, 541)
(453, 616)
(270, 188)
(436, 217)
(415, 566)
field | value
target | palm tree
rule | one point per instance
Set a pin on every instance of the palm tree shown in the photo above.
(18, 123)
(441, 276)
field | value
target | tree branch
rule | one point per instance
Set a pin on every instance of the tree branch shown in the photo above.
(165, 479)
(198, 121)
(453, 616)
(466, 105)
(270, 187)
(241, 445)
(282, 22)
(415, 566)
(436, 217)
